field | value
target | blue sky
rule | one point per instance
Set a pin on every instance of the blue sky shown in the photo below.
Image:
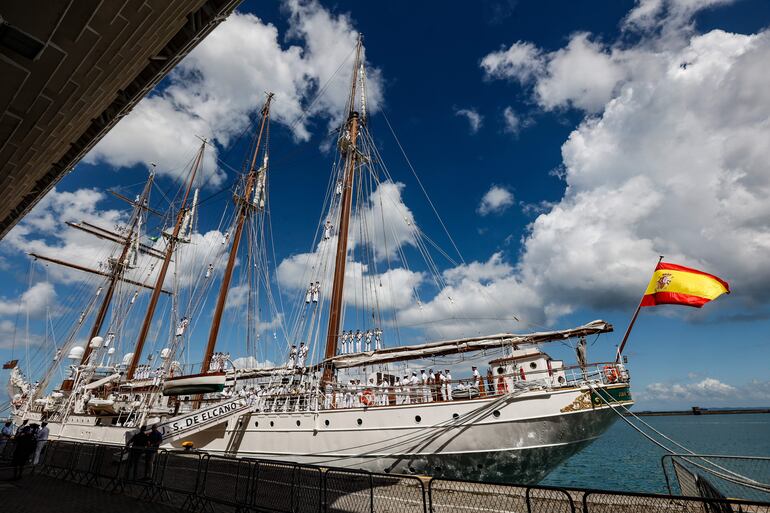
(602, 134)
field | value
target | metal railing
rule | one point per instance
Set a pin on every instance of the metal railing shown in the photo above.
(732, 476)
(198, 481)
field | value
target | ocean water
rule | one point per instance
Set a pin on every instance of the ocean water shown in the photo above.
(622, 459)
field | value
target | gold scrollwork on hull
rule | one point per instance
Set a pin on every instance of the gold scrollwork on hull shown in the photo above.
(581, 402)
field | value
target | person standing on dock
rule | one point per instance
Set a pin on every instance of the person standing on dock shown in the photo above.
(6, 432)
(136, 446)
(154, 440)
(42, 440)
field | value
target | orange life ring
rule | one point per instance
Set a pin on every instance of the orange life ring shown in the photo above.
(611, 373)
(368, 397)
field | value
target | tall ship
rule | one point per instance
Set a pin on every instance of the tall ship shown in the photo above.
(334, 372)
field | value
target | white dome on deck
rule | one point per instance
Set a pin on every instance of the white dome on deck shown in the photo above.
(127, 358)
(97, 342)
(76, 353)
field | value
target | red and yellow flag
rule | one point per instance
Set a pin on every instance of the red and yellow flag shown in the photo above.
(673, 284)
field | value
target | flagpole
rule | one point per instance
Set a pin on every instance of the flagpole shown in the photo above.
(633, 320)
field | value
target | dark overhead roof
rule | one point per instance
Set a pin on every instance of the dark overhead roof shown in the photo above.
(70, 70)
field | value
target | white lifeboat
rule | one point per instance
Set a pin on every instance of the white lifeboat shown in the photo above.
(102, 406)
(194, 384)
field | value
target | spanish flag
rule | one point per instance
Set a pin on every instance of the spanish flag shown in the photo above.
(673, 284)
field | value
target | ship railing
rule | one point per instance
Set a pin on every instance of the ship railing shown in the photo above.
(198, 481)
(732, 476)
(304, 398)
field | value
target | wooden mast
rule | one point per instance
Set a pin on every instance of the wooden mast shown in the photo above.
(117, 272)
(338, 283)
(172, 240)
(244, 207)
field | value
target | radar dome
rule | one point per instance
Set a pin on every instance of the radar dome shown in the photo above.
(97, 342)
(76, 353)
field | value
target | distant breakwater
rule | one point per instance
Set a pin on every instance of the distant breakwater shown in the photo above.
(695, 410)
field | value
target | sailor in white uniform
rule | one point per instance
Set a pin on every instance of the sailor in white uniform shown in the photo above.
(209, 270)
(384, 399)
(476, 378)
(368, 340)
(292, 358)
(448, 385)
(338, 188)
(316, 291)
(414, 385)
(397, 390)
(359, 393)
(377, 339)
(425, 389)
(359, 337)
(442, 381)
(328, 230)
(302, 355)
(182, 326)
(328, 393)
(309, 294)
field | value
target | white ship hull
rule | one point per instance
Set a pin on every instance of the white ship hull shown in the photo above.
(515, 438)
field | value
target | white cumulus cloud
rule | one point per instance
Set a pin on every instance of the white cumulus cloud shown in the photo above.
(475, 120)
(214, 90)
(496, 200)
(670, 159)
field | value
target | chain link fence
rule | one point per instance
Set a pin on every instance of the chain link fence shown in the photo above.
(198, 481)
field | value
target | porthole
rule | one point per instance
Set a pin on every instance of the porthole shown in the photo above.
(500, 370)
(417, 419)
(455, 416)
(359, 422)
(411, 470)
(561, 379)
(532, 365)
(298, 423)
(496, 413)
(256, 424)
(326, 422)
(272, 423)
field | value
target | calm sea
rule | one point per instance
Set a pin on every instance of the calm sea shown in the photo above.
(624, 460)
